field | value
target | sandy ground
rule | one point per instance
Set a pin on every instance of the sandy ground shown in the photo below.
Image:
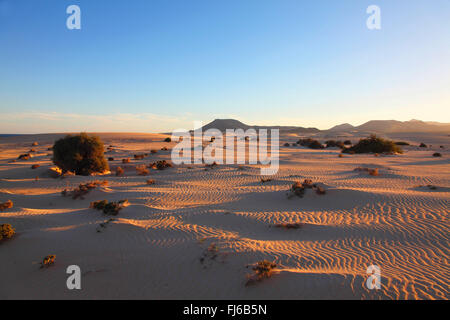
(153, 249)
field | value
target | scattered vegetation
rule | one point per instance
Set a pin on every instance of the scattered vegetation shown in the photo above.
(211, 253)
(167, 139)
(25, 156)
(298, 188)
(402, 143)
(142, 170)
(164, 149)
(262, 270)
(119, 171)
(6, 205)
(150, 181)
(83, 189)
(423, 145)
(437, 154)
(110, 159)
(334, 144)
(340, 155)
(48, 261)
(288, 225)
(34, 144)
(138, 156)
(161, 165)
(35, 166)
(153, 151)
(127, 160)
(6, 231)
(310, 143)
(264, 180)
(286, 144)
(110, 208)
(374, 144)
(370, 171)
(103, 225)
(81, 154)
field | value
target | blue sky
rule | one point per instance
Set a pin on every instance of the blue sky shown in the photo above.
(158, 65)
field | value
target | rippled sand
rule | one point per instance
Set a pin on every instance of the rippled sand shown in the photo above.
(153, 249)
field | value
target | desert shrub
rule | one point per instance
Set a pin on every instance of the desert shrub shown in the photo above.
(6, 205)
(263, 270)
(402, 143)
(264, 180)
(320, 190)
(34, 144)
(298, 189)
(162, 164)
(35, 166)
(142, 170)
(48, 261)
(127, 160)
(308, 184)
(153, 151)
(110, 208)
(423, 145)
(373, 172)
(348, 143)
(110, 159)
(164, 149)
(334, 144)
(119, 171)
(340, 155)
(167, 139)
(310, 143)
(150, 181)
(442, 147)
(81, 154)
(437, 154)
(32, 150)
(6, 231)
(138, 156)
(286, 144)
(25, 156)
(83, 189)
(288, 225)
(374, 144)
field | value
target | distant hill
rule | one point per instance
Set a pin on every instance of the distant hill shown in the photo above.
(342, 127)
(391, 126)
(223, 124)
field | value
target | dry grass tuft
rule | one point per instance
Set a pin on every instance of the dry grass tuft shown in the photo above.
(142, 170)
(25, 156)
(48, 261)
(263, 270)
(6, 205)
(110, 208)
(83, 189)
(264, 180)
(153, 151)
(6, 231)
(127, 160)
(119, 171)
(138, 156)
(288, 225)
(35, 166)
(150, 181)
(437, 154)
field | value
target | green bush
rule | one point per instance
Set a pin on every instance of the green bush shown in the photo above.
(374, 144)
(81, 154)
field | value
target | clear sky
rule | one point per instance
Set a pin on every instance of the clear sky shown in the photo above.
(158, 65)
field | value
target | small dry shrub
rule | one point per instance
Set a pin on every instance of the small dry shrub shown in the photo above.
(263, 270)
(164, 149)
(163, 164)
(127, 160)
(32, 150)
(34, 144)
(437, 154)
(6, 205)
(153, 151)
(373, 172)
(423, 145)
(35, 166)
(167, 139)
(110, 159)
(83, 189)
(138, 156)
(48, 261)
(25, 156)
(286, 144)
(264, 180)
(308, 184)
(142, 170)
(320, 190)
(150, 181)
(288, 225)
(340, 155)
(110, 208)
(119, 171)
(6, 231)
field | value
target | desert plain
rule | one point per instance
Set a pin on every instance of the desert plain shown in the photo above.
(196, 232)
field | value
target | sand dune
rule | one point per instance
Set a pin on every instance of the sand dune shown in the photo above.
(152, 249)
